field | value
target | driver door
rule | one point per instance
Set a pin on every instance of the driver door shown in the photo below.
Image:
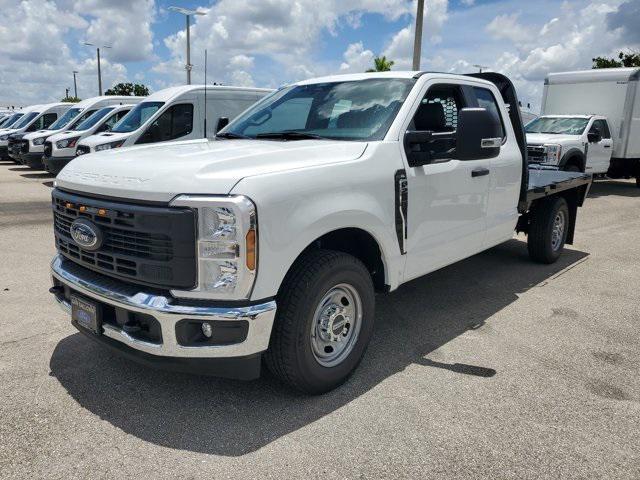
(448, 198)
(599, 153)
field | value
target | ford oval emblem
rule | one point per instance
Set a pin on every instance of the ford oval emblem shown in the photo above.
(86, 234)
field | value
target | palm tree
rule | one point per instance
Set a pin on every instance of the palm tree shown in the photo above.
(381, 64)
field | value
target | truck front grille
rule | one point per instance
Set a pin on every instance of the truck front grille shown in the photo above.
(536, 154)
(24, 146)
(144, 244)
(48, 149)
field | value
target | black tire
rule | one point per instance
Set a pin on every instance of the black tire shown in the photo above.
(638, 182)
(541, 245)
(572, 168)
(290, 356)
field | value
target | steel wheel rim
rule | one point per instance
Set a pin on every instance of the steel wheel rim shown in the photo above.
(336, 325)
(557, 233)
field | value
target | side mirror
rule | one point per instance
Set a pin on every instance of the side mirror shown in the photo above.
(594, 137)
(415, 156)
(479, 134)
(222, 122)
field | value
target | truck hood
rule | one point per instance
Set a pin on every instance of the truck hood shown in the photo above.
(161, 172)
(64, 134)
(542, 138)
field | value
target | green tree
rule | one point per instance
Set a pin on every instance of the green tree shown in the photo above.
(128, 89)
(71, 99)
(625, 59)
(381, 64)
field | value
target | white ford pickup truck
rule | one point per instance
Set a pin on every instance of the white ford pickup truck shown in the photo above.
(270, 241)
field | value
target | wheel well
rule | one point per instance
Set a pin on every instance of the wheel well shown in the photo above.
(577, 160)
(361, 245)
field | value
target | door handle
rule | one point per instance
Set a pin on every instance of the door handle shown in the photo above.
(607, 146)
(480, 172)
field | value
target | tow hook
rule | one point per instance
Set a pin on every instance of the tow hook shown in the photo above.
(57, 290)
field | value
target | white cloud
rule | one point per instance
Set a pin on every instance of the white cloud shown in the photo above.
(507, 27)
(356, 59)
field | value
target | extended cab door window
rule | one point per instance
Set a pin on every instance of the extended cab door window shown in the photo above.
(173, 123)
(438, 114)
(486, 100)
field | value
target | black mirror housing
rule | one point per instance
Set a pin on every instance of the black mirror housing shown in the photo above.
(417, 158)
(594, 137)
(479, 134)
(222, 122)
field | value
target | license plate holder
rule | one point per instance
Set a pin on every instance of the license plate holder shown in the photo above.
(86, 314)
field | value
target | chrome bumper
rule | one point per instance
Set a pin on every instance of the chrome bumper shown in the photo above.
(130, 297)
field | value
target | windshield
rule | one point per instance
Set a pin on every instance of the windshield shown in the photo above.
(24, 121)
(354, 110)
(77, 121)
(137, 117)
(558, 125)
(66, 118)
(93, 119)
(11, 120)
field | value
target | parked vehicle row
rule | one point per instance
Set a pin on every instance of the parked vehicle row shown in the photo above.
(590, 123)
(269, 240)
(50, 136)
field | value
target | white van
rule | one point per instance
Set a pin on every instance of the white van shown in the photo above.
(32, 148)
(176, 113)
(27, 116)
(60, 149)
(10, 120)
(590, 122)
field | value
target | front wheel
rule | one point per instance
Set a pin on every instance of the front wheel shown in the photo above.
(548, 228)
(324, 321)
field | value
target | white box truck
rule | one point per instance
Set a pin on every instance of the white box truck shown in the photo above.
(590, 122)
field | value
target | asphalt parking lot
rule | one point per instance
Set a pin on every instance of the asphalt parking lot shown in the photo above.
(492, 368)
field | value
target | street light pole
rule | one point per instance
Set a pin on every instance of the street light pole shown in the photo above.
(99, 72)
(480, 67)
(417, 43)
(187, 13)
(75, 84)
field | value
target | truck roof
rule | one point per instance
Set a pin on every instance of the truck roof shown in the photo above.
(351, 77)
(595, 75)
(170, 93)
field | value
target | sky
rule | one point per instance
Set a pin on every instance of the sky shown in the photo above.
(269, 43)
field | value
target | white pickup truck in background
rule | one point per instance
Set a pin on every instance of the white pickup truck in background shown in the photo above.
(590, 122)
(575, 143)
(271, 239)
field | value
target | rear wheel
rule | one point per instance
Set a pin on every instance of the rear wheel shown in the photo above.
(548, 228)
(324, 321)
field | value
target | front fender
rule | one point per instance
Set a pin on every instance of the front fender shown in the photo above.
(573, 152)
(297, 207)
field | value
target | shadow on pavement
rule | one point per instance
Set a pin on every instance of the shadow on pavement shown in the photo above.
(605, 188)
(232, 418)
(39, 176)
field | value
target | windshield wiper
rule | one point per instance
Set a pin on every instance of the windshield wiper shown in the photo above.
(290, 135)
(230, 135)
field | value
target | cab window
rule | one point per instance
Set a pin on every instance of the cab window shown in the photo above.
(43, 122)
(601, 127)
(487, 101)
(173, 123)
(438, 113)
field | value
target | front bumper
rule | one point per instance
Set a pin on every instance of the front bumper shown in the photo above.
(55, 164)
(32, 159)
(236, 360)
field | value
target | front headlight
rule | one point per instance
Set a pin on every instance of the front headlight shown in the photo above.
(109, 146)
(39, 141)
(67, 143)
(226, 246)
(4, 138)
(554, 152)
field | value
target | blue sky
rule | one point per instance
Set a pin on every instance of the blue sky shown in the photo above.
(272, 42)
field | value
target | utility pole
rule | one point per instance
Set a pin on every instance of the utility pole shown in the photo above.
(417, 44)
(75, 84)
(66, 94)
(187, 13)
(99, 72)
